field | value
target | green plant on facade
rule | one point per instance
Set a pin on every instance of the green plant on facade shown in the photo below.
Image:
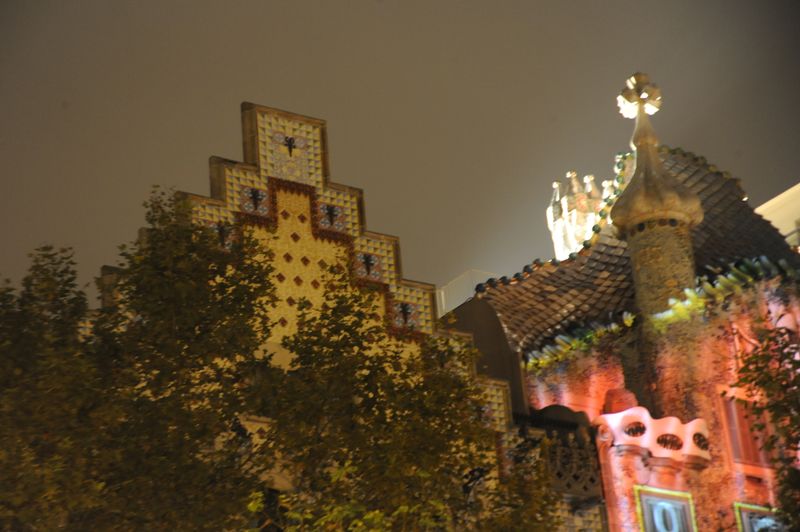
(581, 342)
(698, 301)
(770, 374)
(710, 293)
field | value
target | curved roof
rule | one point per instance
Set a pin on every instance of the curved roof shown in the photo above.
(596, 284)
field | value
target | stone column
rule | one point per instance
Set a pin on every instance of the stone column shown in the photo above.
(621, 468)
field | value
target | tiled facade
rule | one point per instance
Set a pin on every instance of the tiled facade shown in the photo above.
(642, 329)
(607, 450)
(283, 190)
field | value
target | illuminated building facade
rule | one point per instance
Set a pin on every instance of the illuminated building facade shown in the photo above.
(632, 335)
(282, 191)
(601, 348)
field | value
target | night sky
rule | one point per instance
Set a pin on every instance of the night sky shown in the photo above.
(454, 117)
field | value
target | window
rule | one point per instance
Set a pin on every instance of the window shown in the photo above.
(752, 518)
(745, 443)
(661, 510)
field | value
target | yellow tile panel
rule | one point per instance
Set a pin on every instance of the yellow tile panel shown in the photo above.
(348, 204)
(289, 147)
(498, 404)
(300, 258)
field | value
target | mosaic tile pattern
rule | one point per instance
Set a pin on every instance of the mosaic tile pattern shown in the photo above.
(346, 205)
(211, 212)
(595, 285)
(253, 200)
(423, 302)
(231, 194)
(301, 261)
(382, 252)
(288, 151)
(497, 399)
(238, 183)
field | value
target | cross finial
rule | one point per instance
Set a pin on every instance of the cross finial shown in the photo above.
(639, 93)
(652, 193)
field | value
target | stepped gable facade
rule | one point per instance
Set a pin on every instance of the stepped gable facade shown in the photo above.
(283, 186)
(640, 439)
(282, 191)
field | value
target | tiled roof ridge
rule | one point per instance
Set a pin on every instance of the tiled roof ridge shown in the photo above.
(738, 276)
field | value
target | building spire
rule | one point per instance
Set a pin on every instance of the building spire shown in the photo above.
(652, 193)
(655, 215)
(557, 222)
(555, 201)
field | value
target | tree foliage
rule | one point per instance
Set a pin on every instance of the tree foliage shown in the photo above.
(132, 423)
(525, 499)
(771, 375)
(374, 437)
(131, 417)
(48, 408)
(190, 317)
(377, 436)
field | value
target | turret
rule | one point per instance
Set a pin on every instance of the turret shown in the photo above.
(655, 215)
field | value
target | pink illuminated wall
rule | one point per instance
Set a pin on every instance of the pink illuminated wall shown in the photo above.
(708, 463)
(581, 384)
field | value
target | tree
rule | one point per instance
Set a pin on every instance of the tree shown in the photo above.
(129, 419)
(48, 392)
(189, 319)
(770, 373)
(377, 436)
(373, 436)
(525, 499)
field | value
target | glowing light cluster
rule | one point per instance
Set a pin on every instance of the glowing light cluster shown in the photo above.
(571, 216)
